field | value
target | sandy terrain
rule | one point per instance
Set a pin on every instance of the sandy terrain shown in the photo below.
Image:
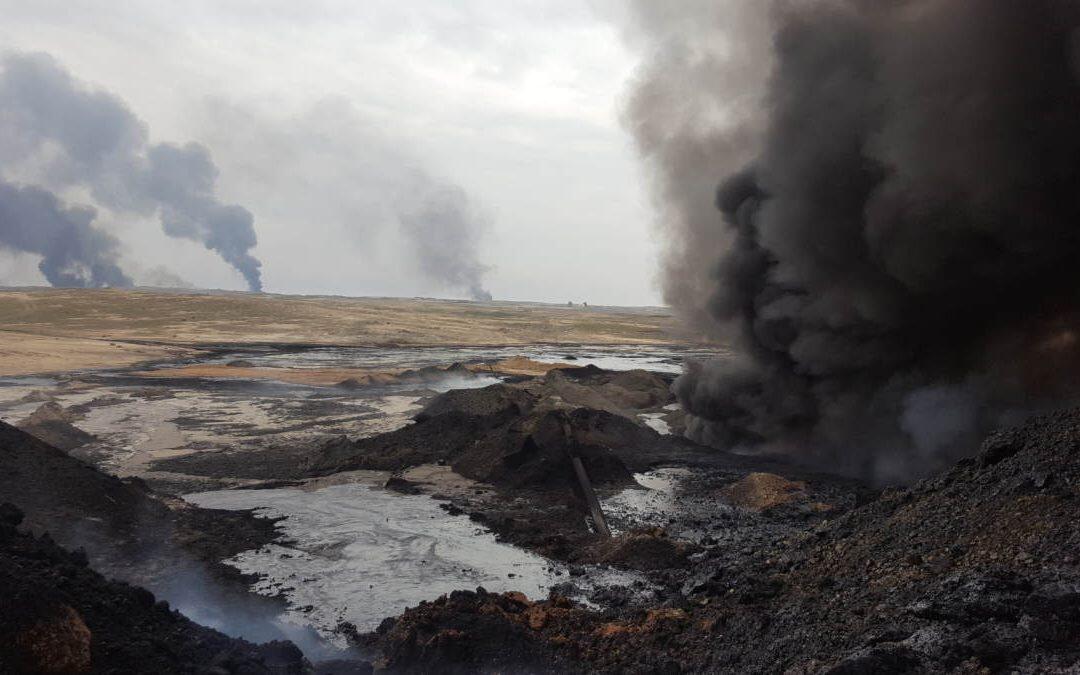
(239, 317)
(26, 354)
(331, 376)
(52, 330)
(313, 376)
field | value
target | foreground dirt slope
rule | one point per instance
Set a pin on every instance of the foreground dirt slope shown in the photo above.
(126, 533)
(61, 616)
(974, 571)
(122, 526)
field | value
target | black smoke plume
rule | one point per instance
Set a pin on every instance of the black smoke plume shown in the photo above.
(896, 246)
(72, 137)
(73, 252)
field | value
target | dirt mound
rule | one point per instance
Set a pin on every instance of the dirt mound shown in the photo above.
(421, 376)
(50, 411)
(481, 632)
(434, 439)
(497, 400)
(53, 424)
(971, 569)
(761, 491)
(48, 637)
(61, 616)
(467, 632)
(492, 435)
(510, 436)
(620, 392)
(117, 520)
(536, 452)
(645, 550)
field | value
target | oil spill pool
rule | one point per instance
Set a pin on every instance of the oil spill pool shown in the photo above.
(359, 553)
(651, 503)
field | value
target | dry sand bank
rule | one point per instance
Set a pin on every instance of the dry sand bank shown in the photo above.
(27, 354)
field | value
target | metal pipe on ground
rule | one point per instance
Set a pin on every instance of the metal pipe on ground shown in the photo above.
(590, 498)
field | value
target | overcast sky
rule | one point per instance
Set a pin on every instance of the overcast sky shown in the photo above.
(319, 115)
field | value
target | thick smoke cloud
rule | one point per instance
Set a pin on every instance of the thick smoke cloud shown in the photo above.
(73, 252)
(895, 238)
(72, 137)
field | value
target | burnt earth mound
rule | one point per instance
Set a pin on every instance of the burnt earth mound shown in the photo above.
(511, 438)
(465, 632)
(127, 531)
(618, 392)
(73, 500)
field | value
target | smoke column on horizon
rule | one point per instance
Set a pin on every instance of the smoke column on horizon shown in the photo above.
(369, 187)
(893, 246)
(74, 137)
(73, 252)
(444, 228)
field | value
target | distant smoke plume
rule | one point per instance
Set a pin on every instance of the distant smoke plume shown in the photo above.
(161, 277)
(444, 227)
(72, 137)
(896, 242)
(73, 252)
(356, 182)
